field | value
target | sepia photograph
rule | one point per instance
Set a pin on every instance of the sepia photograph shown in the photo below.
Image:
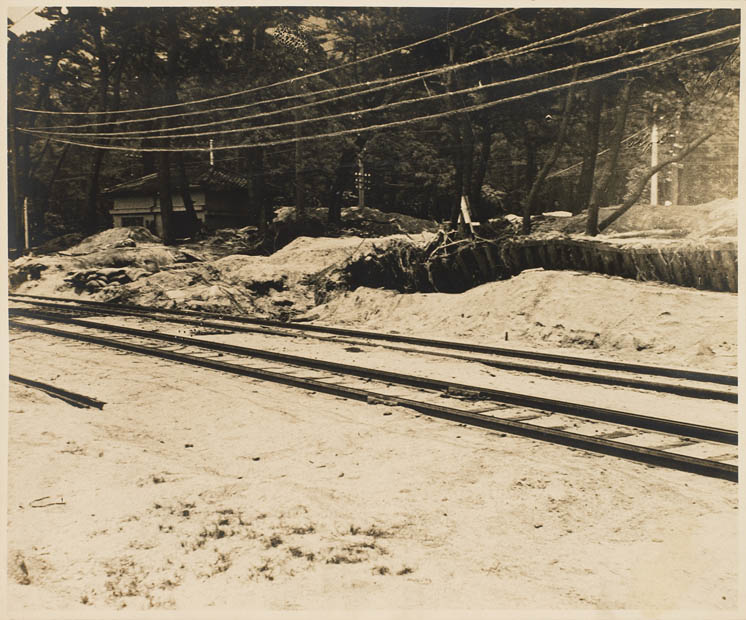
(372, 311)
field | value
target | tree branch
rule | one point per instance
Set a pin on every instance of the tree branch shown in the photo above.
(642, 182)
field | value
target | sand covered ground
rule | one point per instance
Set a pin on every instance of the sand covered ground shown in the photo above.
(590, 314)
(195, 490)
(125, 265)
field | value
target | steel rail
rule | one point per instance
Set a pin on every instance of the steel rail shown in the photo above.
(679, 373)
(523, 400)
(72, 398)
(574, 375)
(651, 456)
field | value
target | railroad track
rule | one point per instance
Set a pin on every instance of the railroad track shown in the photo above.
(71, 398)
(559, 366)
(689, 447)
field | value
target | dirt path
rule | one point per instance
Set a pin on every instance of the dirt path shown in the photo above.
(194, 489)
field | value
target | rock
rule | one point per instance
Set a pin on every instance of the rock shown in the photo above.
(135, 273)
(25, 272)
(177, 294)
(212, 293)
(18, 570)
(110, 272)
(187, 256)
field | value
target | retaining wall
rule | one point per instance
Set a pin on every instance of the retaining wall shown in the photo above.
(708, 265)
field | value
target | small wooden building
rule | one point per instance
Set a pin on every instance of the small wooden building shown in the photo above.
(219, 196)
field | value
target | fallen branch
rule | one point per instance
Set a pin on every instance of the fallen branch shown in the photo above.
(642, 182)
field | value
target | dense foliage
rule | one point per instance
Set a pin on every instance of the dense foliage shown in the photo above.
(100, 60)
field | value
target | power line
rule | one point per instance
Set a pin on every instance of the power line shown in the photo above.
(472, 108)
(599, 154)
(115, 136)
(25, 15)
(528, 48)
(236, 107)
(291, 80)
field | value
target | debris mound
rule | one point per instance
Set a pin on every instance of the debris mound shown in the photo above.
(553, 310)
(126, 236)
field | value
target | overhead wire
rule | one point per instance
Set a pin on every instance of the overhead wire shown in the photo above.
(386, 106)
(599, 154)
(239, 107)
(289, 80)
(417, 75)
(376, 127)
(24, 16)
(528, 48)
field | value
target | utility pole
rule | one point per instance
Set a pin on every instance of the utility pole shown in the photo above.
(675, 168)
(654, 160)
(361, 181)
(25, 223)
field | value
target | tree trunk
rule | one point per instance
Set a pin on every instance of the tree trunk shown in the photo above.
(61, 159)
(485, 146)
(147, 89)
(193, 222)
(457, 125)
(344, 170)
(93, 188)
(264, 212)
(256, 191)
(528, 206)
(642, 182)
(58, 167)
(169, 97)
(15, 218)
(530, 145)
(172, 64)
(29, 189)
(91, 212)
(164, 195)
(458, 182)
(607, 193)
(588, 171)
(300, 207)
(467, 155)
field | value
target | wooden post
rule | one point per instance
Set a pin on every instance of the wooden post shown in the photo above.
(465, 216)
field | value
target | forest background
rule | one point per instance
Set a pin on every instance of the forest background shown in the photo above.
(520, 110)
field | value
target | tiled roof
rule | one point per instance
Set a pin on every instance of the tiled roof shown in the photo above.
(204, 178)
